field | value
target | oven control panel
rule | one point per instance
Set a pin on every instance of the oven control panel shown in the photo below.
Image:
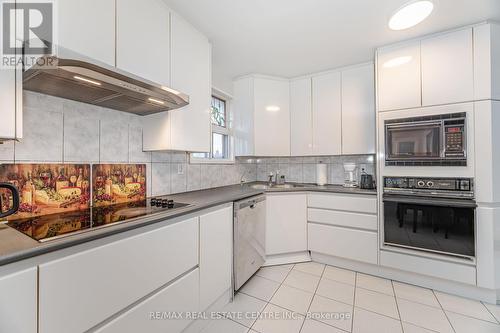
(432, 184)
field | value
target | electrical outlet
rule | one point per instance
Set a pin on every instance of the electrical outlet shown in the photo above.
(180, 169)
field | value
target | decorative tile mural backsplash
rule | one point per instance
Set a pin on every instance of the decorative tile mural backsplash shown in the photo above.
(118, 183)
(48, 188)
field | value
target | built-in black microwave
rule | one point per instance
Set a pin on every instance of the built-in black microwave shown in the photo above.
(439, 140)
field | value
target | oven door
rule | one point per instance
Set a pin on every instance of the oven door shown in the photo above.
(445, 226)
(415, 141)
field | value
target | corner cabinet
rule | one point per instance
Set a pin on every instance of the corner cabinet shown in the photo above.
(97, 39)
(18, 302)
(301, 139)
(187, 128)
(262, 116)
(143, 39)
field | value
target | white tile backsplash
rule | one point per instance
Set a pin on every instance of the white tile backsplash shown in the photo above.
(60, 130)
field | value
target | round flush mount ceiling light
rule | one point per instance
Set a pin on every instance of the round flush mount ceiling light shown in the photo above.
(411, 14)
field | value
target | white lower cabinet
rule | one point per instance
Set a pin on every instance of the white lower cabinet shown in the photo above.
(286, 223)
(216, 249)
(346, 243)
(427, 266)
(82, 290)
(179, 298)
(18, 302)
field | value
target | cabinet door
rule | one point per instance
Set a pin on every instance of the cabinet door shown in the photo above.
(18, 302)
(398, 76)
(447, 68)
(191, 74)
(243, 110)
(105, 280)
(216, 249)
(358, 110)
(301, 117)
(327, 114)
(272, 117)
(88, 28)
(286, 228)
(182, 296)
(8, 103)
(143, 39)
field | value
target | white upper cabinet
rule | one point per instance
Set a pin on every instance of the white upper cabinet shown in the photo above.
(243, 109)
(358, 110)
(301, 117)
(87, 27)
(398, 75)
(143, 39)
(191, 74)
(11, 103)
(487, 62)
(272, 117)
(327, 114)
(447, 68)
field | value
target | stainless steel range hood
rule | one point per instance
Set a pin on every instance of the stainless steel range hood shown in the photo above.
(78, 78)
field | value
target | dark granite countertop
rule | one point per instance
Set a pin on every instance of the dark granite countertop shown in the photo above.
(16, 246)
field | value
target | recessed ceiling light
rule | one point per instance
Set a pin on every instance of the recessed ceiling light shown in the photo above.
(411, 14)
(273, 108)
(157, 101)
(87, 80)
(395, 62)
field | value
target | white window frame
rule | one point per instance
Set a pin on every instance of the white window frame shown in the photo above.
(228, 130)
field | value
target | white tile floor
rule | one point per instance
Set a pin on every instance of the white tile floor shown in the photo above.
(299, 298)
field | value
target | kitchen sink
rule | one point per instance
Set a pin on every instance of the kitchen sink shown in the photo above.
(283, 186)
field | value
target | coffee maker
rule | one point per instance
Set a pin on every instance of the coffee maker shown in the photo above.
(366, 182)
(351, 180)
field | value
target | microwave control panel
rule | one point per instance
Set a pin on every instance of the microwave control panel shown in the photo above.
(454, 135)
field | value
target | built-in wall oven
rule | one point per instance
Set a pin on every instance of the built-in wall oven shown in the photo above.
(430, 214)
(437, 140)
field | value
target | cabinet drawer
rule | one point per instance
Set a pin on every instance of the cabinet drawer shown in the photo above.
(437, 268)
(353, 203)
(102, 281)
(341, 242)
(342, 219)
(180, 297)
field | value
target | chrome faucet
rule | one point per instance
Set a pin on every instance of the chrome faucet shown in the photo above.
(242, 178)
(270, 180)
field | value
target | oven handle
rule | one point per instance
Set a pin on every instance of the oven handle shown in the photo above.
(431, 201)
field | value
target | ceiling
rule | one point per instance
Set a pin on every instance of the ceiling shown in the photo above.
(294, 37)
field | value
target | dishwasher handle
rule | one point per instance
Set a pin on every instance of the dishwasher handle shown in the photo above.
(250, 202)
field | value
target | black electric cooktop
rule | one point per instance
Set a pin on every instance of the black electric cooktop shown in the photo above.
(49, 227)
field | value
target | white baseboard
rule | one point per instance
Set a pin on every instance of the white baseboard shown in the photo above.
(287, 258)
(465, 290)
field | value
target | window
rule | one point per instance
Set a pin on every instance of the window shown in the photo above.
(221, 135)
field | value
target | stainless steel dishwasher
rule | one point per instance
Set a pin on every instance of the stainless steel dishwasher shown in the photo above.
(249, 238)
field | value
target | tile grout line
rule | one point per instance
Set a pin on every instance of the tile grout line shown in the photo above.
(397, 306)
(354, 300)
(487, 309)
(445, 314)
(312, 299)
(269, 302)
